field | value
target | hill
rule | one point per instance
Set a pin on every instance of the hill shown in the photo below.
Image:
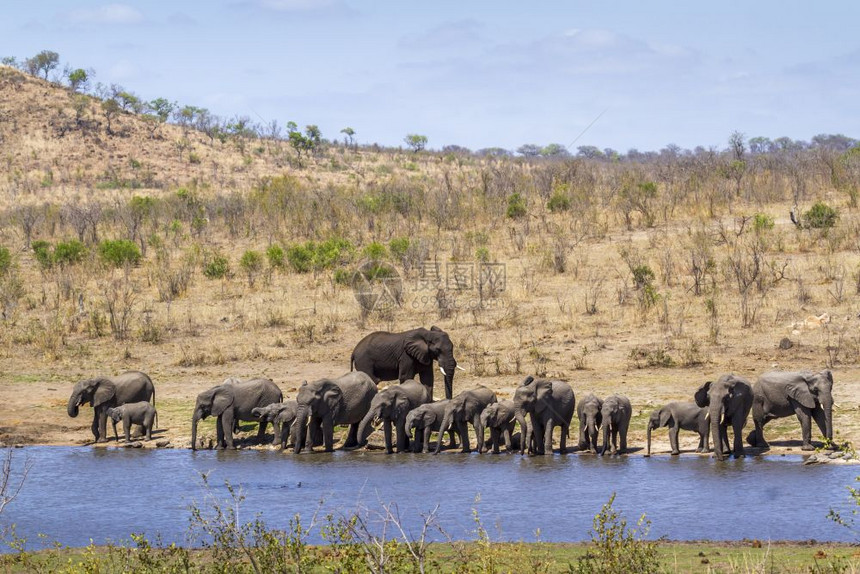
(642, 277)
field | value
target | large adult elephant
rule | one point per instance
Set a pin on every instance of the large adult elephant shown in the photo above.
(326, 403)
(403, 356)
(548, 403)
(233, 401)
(391, 406)
(463, 409)
(729, 400)
(107, 392)
(782, 394)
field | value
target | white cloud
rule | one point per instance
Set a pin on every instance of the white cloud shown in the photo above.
(107, 14)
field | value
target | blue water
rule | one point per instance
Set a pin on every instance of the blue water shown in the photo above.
(74, 495)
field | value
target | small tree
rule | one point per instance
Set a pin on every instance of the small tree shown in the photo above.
(416, 142)
(251, 263)
(79, 79)
(42, 63)
(349, 134)
(110, 109)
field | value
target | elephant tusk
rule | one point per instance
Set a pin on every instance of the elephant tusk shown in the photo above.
(461, 368)
(443, 371)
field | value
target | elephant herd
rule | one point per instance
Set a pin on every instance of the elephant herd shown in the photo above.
(408, 415)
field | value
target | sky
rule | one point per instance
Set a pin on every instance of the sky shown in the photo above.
(475, 73)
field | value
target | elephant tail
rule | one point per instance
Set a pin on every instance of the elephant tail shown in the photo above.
(351, 362)
(156, 419)
(153, 398)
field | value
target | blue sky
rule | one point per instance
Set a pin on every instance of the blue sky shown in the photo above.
(475, 73)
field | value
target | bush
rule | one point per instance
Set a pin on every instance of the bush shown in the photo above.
(310, 256)
(119, 252)
(516, 206)
(642, 276)
(301, 257)
(820, 216)
(216, 267)
(251, 263)
(399, 247)
(69, 252)
(5, 260)
(375, 251)
(43, 253)
(559, 201)
(275, 255)
(762, 222)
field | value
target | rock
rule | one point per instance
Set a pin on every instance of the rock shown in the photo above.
(785, 344)
(835, 455)
(812, 459)
(162, 443)
(135, 444)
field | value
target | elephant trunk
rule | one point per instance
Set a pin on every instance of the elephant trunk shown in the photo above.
(605, 436)
(525, 431)
(716, 415)
(194, 419)
(301, 428)
(73, 404)
(446, 423)
(366, 426)
(591, 438)
(827, 405)
(648, 441)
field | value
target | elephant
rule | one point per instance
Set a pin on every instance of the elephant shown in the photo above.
(282, 416)
(616, 413)
(425, 419)
(233, 401)
(680, 415)
(325, 403)
(391, 405)
(500, 419)
(549, 403)
(402, 356)
(805, 394)
(140, 413)
(105, 392)
(729, 401)
(590, 418)
(463, 409)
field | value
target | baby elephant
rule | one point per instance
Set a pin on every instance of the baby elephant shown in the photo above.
(500, 419)
(677, 416)
(590, 418)
(141, 413)
(426, 419)
(615, 412)
(282, 416)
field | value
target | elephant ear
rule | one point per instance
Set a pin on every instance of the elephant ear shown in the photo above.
(105, 392)
(333, 398)
(799, 391)
(221, 401)
(435, 328)
(665, 417)
(701, 395)
(416, 347)
(401, 407)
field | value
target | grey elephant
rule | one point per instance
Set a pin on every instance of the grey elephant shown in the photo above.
(500, 419)
(140, 413)
(548, 403)
(680, 416)
(590, 418)
(616, 413)
(729, 400)
(806, 394)
(463, 409)
(282, 416)
(233, 401)
(391, 406)
(326, 403)
(402, 356)
(105, 392)
(425, 420)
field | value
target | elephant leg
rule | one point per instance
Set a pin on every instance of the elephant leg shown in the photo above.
(805, 427)
(261, 431)
(352, 436)
(622, 431)
(479, 432)
(509, 443)
(284, 436)
(583, 443)
(219, 431)
(426, 436)
(562, 447)
(95, 427)
(547, 438)
(229, 424)
(738, 429)
(464, 435)
(494, 440)
(402, 438)
(724, 438)
(673, 440)
(452, 443)
(386, 427)
(126, 429)
(102, 414)
(328, 433)
(276, 432)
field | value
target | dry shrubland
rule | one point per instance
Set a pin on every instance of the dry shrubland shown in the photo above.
(167, 250)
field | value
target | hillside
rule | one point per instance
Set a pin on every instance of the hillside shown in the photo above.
(645, 278)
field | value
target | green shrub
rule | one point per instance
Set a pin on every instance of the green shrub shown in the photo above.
(251, 263)
(374, 251)
(516, 206)
(43, 253)
(301, 257)
(275, 255)
(69, 252)
(119, 252)
(820, 216)
(642, 276)
(762, 222)
(399, 247)
(482, 254)
(5, 260)
(559, 201)
(216, 267)
(332, 252)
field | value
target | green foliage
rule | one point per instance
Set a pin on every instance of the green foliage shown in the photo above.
(482, 254)
(415, 142)
(119, 252)
(301, 257)
(762, 222)
(43, 62)
(820, 216)
(69, 252)
(399, 247)
(78, 79)
(275, 256)
(43, 252)
(5, 260)
(642, 276)
(251, 263)
(216, 266)
(374, 251)
(615, 547)
(516, 206)
(312, 256)
(559, 200)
